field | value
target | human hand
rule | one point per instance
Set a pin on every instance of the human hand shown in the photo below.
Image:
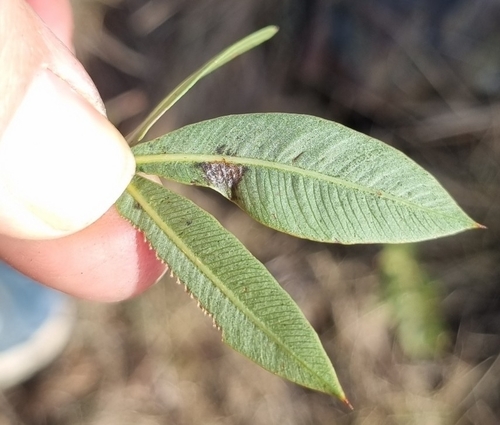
(62, 164)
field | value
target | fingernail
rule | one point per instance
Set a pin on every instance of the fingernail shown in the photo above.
(62, 163)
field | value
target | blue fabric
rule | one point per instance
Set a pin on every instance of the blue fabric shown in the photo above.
(25, 305)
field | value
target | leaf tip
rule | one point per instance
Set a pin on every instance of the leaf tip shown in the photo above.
(479, 226)
(273, 29)
(344, 400)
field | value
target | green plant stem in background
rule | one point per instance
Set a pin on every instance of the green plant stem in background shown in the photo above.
(413, 302)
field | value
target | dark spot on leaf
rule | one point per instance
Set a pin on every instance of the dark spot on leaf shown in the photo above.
(221, 149)
(225, 151)
(297, 157)
(189, 222)
(136, 205)
(223, 176)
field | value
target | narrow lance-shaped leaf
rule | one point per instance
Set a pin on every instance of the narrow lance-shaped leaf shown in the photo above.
(255, 315)
(310, 177)
(227, 55)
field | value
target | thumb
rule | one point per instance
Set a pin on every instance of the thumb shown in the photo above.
(62, 164)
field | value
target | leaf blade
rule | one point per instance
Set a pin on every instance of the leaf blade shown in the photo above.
(309, 177)
(256, 317)
(227, 55)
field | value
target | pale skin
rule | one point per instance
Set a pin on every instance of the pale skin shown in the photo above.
(51, 125)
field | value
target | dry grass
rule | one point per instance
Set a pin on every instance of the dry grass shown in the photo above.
(157, 360)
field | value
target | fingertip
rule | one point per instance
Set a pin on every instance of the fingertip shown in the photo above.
(62, 163)
(109, 261)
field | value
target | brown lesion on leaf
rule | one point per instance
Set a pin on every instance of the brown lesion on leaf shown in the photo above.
(223, 176)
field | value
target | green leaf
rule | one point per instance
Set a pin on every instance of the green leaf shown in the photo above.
(227, 55)
(255, 315)
(310, 177)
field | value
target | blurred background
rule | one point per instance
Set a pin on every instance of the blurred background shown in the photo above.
(413, 331)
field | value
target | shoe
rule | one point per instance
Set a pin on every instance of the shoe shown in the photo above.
(35, 325)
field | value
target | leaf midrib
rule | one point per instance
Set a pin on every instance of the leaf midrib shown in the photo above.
(273, 165)
(136, 194)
